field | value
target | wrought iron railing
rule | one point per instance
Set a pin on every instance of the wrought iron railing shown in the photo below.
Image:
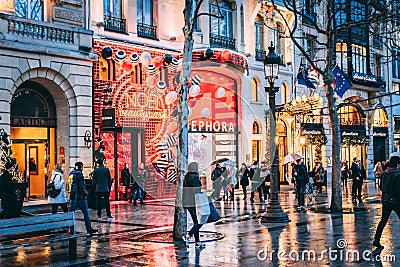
(147, 31)
(222, 42)
(114, 24)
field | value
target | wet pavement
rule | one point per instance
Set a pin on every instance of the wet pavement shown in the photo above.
(141, 236)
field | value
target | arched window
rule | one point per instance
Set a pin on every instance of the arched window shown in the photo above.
(351, 115)
(259, 49)
(380, 118)
(256, 127)
(255, 88)
(285, 93)
(278, 39)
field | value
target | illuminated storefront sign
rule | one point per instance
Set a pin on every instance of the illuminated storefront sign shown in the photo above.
(141, 105)
(211, 126)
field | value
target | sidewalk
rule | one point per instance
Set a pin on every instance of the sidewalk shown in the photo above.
(141, 236)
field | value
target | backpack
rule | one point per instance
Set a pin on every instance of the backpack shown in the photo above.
(51, 189)
(70, 186)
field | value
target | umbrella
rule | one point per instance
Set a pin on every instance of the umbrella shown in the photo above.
(219, 161)
(292, 157)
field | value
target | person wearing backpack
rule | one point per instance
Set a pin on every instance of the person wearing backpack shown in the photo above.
(57, 181)
(78, 196)
(390, 186)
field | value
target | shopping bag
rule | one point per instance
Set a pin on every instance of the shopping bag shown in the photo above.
(202, 207)
(214, 215)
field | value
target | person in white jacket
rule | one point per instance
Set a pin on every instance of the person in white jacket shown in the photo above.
(61, 198)
(233, 180)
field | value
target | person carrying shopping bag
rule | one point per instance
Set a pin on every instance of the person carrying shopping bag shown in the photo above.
(191, 187)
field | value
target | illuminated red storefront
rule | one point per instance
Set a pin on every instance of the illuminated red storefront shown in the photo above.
(135, 112)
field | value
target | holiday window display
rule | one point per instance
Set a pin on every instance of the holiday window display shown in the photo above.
(142, 87)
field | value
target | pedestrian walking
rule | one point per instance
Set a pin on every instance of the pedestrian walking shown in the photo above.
(126, 178)
(256, 181)
(217, 177)
(139, 185)
(378, 172)
(232, 179)
(8, 196)
(300, 174)
(384, 165)
(102, 182)
(58, 182)
(357, 182)
(390, 186)
(78, 196)
(344, 173)
(293, 180)
(192, 186)
(267, 186)
(319, 176)
(243, 176)
(225, 182)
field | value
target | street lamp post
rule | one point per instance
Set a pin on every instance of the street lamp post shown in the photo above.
(274, 212)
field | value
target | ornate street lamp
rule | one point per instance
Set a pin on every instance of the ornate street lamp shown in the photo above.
(274, 212)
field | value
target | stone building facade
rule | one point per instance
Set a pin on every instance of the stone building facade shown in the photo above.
(46, 64)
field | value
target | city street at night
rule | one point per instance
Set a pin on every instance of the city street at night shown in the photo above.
(141, 236)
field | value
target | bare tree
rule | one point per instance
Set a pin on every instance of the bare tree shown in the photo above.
(191, 13)
(329, 26)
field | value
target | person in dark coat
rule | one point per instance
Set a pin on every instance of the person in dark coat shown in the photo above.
(192, 186)
(102, 181)
(243, 176)
(256, 181)
(217, 176)
(344, 173)
(126, 181)
(78, 196)
(300, 174)
(357, 182)
(7, 193)
(139, 184)
(390, 186)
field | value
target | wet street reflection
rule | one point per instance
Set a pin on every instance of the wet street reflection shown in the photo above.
(141, 236)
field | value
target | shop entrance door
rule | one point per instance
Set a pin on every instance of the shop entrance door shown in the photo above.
(379, 149)
(120, 148)
(32, 158)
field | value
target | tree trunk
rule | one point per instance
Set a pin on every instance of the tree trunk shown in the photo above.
(336, 198)
(180, 216)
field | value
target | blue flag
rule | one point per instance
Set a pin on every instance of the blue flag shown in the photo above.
(302, 77)
(341, 83)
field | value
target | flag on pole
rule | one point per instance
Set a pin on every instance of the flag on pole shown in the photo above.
(302, 77)
(341, 84)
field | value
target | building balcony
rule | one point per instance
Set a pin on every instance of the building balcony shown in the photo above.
(114, 24)
(147, 31)
(38, 36)
(220, 41)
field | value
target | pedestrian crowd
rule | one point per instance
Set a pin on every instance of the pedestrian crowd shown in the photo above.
(73, 190)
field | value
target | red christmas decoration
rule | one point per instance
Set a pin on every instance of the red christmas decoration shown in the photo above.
(157, 61)
(225, 55)
(127, 66)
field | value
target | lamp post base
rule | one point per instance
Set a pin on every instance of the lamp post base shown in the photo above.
(274, 212)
